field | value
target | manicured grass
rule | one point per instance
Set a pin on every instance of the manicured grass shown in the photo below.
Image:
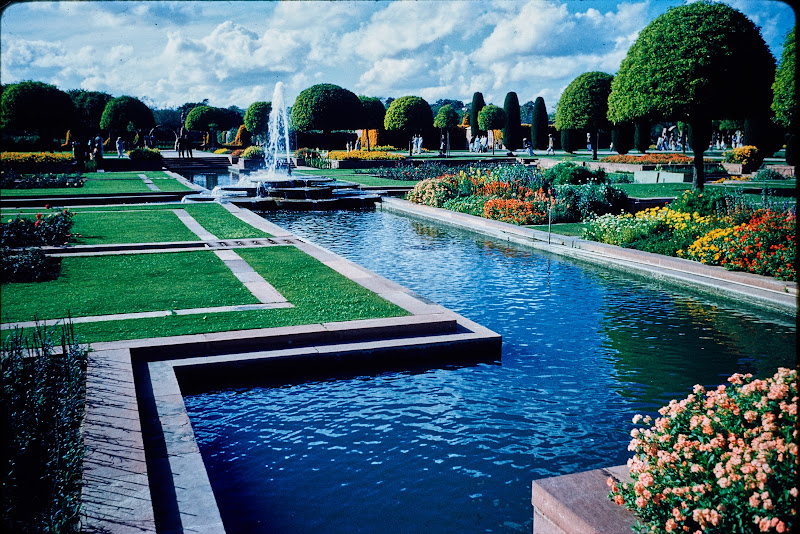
(318, 293)
(170, 185)
(366, 179)
(220, 222)
(143, 226)
(126, 283)
(654, 190)
(569, 229)
(124, 175)
(90, 187)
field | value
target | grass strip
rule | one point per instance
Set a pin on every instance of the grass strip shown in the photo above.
(90, 187)
(126, 283)
(153, 226)
(568, 229)
(129, 175)
(318, 293)
(222, 223)
(668, 190)
(171, 185)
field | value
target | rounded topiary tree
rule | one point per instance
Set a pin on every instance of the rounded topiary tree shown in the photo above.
(37, 107)
(474, 109)
(539, 125)
(584, 105)
(491, 117)
(446, 119)
(256, 118)
(124, 112)
(89, 107)
(408, 114)
(372, 114)
(512, 129)
(206, 119)
(694, 63)
(326, 107)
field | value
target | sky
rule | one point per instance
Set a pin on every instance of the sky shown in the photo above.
(233, 53)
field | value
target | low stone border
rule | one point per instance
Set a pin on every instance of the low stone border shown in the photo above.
(754, 289)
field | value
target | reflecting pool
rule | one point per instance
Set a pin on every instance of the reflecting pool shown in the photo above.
(455, 449)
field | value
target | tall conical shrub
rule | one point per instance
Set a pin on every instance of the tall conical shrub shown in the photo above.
(476, 107)
(512, 131)
(539, 125)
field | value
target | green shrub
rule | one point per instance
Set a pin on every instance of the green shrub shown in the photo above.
(40, 181)
(768, 174)
(567, 173)
(27, 265)
(666, 243)
(472, 205)
(704, 203)
(583, 202)
(145, 154)
(253, 152)
(54, 229)
(42, 407)
(616, 230)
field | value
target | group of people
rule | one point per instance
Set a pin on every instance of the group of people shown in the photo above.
(668, 140)
(416, 144)
(479, 143)
(92, 150)
(528, 146)
(356, 145)
(723, 141)
(184, 146)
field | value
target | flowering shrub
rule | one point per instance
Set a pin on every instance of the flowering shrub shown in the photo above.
(361, 155)
(144, 154)
(432, 192)
(567, 173)
(222, 151)
(649, 159)
(720, 461)
(252, 152)
(747, 155)
(384, 148)
(238, 152)
(54, 229)
(27, 265)
(764, 245)
(620, 229)
(36, 157)
(40, 181)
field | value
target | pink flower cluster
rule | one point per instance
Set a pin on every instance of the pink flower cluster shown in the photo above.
(721, 460)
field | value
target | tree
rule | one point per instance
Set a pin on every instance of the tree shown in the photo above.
(446, 119)
(439, 104)
(539, 125)
(89, 107)
(326, 107)
(512, 129)
(125, 111)
(694, 63)
(408, 114)
(208, 119)
(36, 107)
(641, 135)
(784, 103)
(372, 114)
(526, 112)
(491, 118)
(256, 118)
(622, 137)
(584, 105)
(474, 109)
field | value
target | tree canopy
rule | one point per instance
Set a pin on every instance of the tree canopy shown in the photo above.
(474, 109)
(256, 118)
(89, 107)
(694, 63)
(512, 129)
(408, 114)
(372, 112)
(584, 105)
(439, 104)
(491, 117)
(539, 124)
(784, 103)
(326, 107)
(36, 107)
(446, 117)
(124, 110)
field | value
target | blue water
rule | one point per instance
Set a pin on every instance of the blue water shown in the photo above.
(455, 449)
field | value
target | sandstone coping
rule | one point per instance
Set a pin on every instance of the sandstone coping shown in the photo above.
(754, 289)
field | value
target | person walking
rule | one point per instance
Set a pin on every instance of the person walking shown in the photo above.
(550, 142)
(527, 146)
(120, 147)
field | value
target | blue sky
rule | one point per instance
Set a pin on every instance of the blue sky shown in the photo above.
(233, 53)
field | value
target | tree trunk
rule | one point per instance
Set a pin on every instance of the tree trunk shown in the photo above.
(700, 136)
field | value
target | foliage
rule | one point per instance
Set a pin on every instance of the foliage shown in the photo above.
(491, 117)
(40, 181)
(124, 110)
(36, 106)
(641, 135)
(408, 113)
(657, 158)
(566, 173)
(145, 154)
(474, 109)
(584, 202)
(622, 136)
(205, 118)
(412, 173)
(433, 191)
(222, 151)
(243, 136)
(54, 229)
(326, 107)
(767, 174)
(703, 203)
(252, 152)
(256, 118)
(584, 103)
(89, 106)
(361, 155)
(43, 408)
(747, 155)
(27, 265)
(446, 118)
(512, 129)
(571, 140)
(761, 131)
(721, 460)
(372, 111)
(539, 124)
(784, 103)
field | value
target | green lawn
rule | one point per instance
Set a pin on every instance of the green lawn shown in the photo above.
(143, 226)
(220, 222)
(90, 187)
(654, 190)
(568, 229)
(171, 185)
(124, 175)
(362, 178)
(126, 283)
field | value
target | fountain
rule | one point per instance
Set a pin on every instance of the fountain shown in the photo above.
(276, 186)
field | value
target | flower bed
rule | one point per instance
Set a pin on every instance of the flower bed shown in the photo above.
(649, 159)
(36, 157)
(363, 155)
(720, 461)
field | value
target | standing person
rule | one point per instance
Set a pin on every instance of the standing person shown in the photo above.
(484, 144)
(98, 144)
(181, 143)
(120, 147)
(527, 146)
(441, 146)
(550, 142)
(358, 144)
